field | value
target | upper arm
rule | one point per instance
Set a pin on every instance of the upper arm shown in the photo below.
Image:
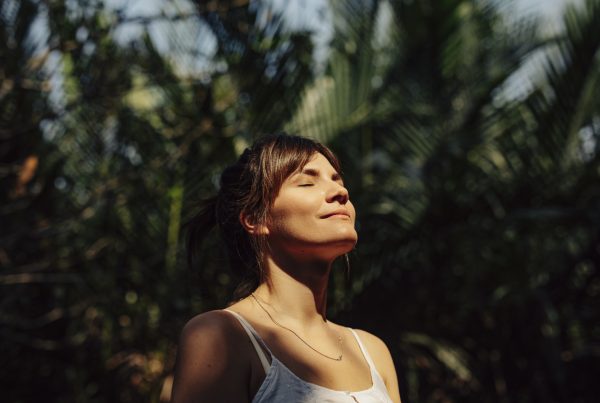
(210, 365)
(383, 362)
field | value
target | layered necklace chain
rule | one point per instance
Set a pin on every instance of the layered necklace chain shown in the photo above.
(339, 338)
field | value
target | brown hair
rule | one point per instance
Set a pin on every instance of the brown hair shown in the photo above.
(250, 186)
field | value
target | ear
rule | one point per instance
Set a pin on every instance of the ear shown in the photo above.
(251, 227)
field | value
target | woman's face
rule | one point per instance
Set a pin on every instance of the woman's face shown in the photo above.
(312, 213)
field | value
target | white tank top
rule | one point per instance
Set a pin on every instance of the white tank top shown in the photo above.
(281, 385)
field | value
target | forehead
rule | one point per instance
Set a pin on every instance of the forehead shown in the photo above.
(317, 166)
(319, 162)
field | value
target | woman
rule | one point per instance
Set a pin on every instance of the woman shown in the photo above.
(285, 216)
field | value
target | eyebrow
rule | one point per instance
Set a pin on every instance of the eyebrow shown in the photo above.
(315, 173)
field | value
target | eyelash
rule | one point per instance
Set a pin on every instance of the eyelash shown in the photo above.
(312, 184)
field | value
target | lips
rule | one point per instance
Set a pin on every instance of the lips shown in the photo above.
(337, 213)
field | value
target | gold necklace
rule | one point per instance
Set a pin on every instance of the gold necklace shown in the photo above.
(339, 358)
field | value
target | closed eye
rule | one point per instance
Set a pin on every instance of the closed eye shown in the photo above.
(306, 184)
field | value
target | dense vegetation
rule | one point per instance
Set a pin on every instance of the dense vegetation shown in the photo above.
(469, 140)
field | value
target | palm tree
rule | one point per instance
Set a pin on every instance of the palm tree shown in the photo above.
(469, 194)
(477, 203)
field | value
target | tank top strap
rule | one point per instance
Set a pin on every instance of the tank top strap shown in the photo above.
(255, 339)
(363, 350)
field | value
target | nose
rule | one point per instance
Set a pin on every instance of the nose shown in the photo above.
(338, 193)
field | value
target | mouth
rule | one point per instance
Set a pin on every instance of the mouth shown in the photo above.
(337, 214)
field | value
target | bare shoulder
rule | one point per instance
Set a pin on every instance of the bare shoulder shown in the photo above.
(374, 344)
(214, 334)
(209, 358)
(206, 326)
(214, 330)
(384, 363)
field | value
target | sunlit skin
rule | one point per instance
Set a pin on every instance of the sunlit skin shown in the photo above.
(311, 223)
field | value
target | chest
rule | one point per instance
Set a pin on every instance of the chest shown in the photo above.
(351, 373)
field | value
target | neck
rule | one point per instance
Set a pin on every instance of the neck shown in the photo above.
(296, 291)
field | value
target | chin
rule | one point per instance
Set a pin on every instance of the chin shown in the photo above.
(348, 237)
(344, 246)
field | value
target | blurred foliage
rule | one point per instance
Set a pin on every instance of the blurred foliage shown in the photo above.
(470, 145)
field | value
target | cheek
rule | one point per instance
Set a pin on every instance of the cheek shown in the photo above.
(352, 210)
(290, 210)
